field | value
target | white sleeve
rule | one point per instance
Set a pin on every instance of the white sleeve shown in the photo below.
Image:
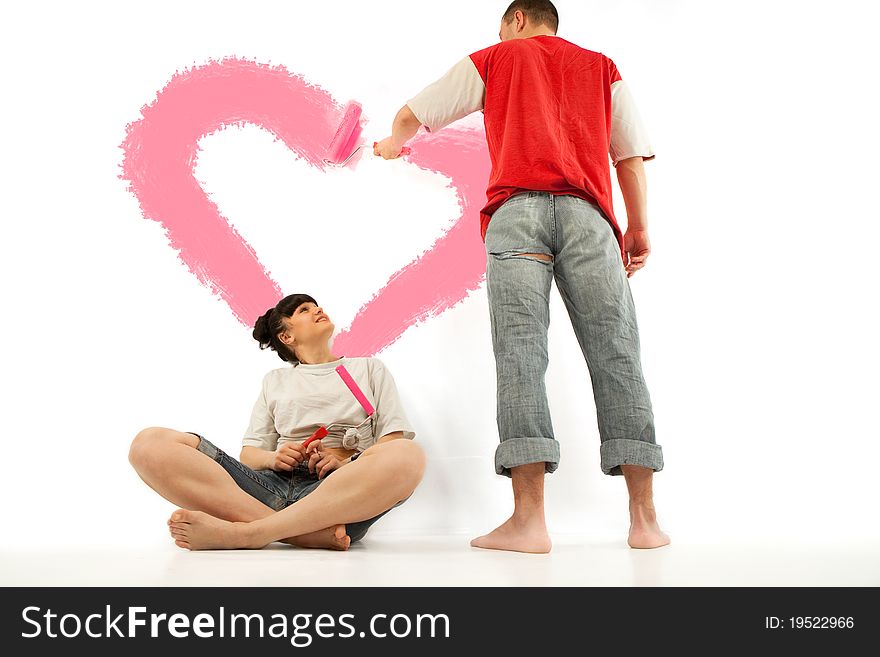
(261, 430)
(458, 93)
(390, 416)
(628, 135)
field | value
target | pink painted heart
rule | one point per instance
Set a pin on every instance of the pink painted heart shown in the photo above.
(160, 155)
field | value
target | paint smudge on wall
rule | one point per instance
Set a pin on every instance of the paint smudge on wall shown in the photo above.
(454, 266)
(160, 152)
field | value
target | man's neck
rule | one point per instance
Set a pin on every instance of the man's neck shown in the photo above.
(539, 33)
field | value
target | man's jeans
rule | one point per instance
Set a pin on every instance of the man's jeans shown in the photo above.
(591, 278)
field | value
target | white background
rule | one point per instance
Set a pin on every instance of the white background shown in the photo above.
(757, 307)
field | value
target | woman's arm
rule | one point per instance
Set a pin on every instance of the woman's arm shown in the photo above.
(390, 417)
(256, 458)
(260, 441)
(389, 437)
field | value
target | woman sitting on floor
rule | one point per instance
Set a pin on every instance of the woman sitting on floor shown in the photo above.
(325, 495)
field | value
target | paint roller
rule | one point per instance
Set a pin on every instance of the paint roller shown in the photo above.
(345, 141)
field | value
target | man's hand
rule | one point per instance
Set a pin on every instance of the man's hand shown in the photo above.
(403, 128)
(321, 462)
(637, 248)
(287, 456)
(387, 149)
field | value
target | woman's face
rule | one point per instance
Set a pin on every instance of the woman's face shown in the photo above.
(308, 325)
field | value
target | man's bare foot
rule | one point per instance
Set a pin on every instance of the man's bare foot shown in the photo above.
(332, 538)
(644, 532)
(195, 530)
(517, 536)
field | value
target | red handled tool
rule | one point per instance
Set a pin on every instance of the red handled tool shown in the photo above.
(320, 433)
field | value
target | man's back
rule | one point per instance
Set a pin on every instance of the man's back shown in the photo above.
(553, 112)
(548, 117)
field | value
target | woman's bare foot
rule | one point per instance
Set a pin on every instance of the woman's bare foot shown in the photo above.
(195, 530)
(529, 535)
(644, 532)
(332, 538)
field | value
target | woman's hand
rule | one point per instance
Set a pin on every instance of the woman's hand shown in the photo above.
(287, 456)
(321, 462)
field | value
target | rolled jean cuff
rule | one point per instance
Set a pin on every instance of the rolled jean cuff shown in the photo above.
(205, 447)
(520, 451)
(623, 451)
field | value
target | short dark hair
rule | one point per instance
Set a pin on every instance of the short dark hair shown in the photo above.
(271, 323)
(542, 12)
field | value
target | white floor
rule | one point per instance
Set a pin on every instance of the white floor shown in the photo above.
(449, 561)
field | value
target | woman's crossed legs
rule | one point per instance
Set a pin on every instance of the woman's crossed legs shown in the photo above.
(216, 514)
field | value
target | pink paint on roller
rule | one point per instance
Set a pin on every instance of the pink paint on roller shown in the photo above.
(161, 151)
(347, 135)
(345, 142)
(355, 390)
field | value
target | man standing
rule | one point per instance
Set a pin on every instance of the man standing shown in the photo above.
(554, 112)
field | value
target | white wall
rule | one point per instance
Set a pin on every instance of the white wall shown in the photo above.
(757, 308)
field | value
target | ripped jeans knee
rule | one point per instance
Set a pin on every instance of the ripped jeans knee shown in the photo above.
(538, 257)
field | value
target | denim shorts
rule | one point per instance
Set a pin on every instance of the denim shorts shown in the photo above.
(277, 490)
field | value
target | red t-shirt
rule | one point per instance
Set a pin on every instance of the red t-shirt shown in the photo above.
(548, 106)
